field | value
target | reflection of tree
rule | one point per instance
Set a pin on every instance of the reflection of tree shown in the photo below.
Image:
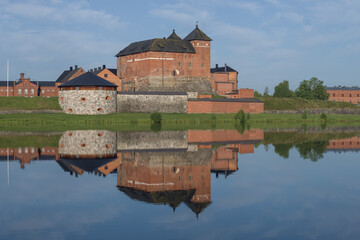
(308, 150)
(312, 150)
(283, 149)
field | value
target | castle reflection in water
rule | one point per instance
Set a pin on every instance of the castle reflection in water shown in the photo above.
(166, 167)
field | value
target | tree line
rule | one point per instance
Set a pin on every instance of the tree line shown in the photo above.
(312, 89)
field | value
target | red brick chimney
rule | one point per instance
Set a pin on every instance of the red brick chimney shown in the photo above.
(22, 77)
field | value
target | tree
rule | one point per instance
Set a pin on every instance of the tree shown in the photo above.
(312, 89)
(282, 90)
(266, 92)
(257, 94)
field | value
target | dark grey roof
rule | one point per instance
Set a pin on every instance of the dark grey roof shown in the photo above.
(342, 88)
(88, 79)
(173, 35)
(222, 69)
(66, 75)
(158, 45)
(113, 70)
(88, 165)
(4, 83)
(44, 83)
(197, 34)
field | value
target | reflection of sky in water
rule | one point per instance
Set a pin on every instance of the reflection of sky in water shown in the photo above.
(268, 197)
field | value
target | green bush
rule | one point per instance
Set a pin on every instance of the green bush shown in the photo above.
(156, 117)
(304, 115)
(240, 116)
(323, 116)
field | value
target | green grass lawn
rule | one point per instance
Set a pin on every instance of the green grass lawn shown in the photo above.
(142, 121)
(24, 103)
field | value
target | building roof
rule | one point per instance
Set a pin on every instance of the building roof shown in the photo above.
(66, 75)
(88, 79)
(342, 88)
(222, 69)
(4, 83)
(88, 165)
(197, 34)
(44, 83)
(113, 70)
(173, 35)
(158, 45)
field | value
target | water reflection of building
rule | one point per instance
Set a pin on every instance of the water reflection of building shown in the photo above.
(25, 155)
(347, 144)
(92, 151)
(166, 167)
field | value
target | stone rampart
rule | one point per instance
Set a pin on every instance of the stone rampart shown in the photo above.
(90, 102)
(147, 102)
(174, 84)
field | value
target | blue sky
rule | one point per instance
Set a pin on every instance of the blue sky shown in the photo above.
(266, 41)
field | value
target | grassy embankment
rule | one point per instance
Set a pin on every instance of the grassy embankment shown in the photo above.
(34, 103)
(271, 103)
(138, 121)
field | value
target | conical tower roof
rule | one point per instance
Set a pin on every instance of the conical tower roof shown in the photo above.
(197, 34)
(174, 36)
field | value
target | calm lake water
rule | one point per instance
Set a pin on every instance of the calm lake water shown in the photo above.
(198, 184)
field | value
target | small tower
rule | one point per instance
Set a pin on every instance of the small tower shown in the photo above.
(201, 44)
(88, 94)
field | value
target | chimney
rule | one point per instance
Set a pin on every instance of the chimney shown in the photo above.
(225, 67)
(99, 68)
(22, 76)
(95, 69)
(91, 70)
(71, 68)
(104, 66)
(76, 66)
(216, 66)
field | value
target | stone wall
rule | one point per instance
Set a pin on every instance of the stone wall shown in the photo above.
(90, 102)
(89, 143)
(174, 84)
(152, 102)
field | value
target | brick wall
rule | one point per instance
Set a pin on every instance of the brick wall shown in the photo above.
(223, 106)
(351, 96)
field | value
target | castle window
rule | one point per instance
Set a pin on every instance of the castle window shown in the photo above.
(32, 91)
(189, 64)
(70, 110)
(202, 65)
(82, 99)
(105, 75)
(25, 91)
(179, 64)
(100, 109)
(43, 91)
(107, 98)
(342, 95)
(333, 94)
(349, 95)
(19, 91)
(174, 73)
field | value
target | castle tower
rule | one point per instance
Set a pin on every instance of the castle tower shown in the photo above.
(201, 43)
